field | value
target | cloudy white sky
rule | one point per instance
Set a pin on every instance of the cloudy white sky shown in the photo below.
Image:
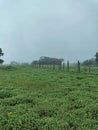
(57, 28)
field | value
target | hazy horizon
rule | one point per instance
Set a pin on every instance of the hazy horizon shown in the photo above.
(61, 28)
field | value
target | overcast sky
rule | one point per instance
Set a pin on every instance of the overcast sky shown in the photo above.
(57, 28)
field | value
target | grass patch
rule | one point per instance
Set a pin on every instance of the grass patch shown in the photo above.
(45, 99)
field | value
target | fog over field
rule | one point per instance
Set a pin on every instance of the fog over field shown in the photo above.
(57, 28)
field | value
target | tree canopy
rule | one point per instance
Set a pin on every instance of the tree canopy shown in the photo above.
(1, 54)
(48, 61)
(96, 55)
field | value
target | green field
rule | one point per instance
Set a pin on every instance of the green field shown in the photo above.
(46, 99)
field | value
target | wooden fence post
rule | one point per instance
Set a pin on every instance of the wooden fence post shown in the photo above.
(60, 67)
(89, 69)
(63, 66)
(54, 67)
(78, 67)
(67, 66)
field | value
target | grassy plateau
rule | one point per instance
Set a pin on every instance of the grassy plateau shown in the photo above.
(46, 99)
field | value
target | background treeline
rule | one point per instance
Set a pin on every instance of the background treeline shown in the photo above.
(43, 60)
(47, 61)
(90, 62)
(55, 61)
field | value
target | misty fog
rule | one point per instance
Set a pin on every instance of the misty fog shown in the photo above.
(57, 28)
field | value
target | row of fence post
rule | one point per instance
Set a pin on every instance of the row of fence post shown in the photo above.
(62, 67)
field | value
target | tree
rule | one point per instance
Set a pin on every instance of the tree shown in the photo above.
(90, 62)
(34, 62)
(50, 61)
(1, 54)
(96, 55)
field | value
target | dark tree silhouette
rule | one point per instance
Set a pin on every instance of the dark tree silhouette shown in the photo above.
(1, 54)
(96, 55)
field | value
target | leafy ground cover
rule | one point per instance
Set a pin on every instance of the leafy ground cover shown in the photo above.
(45, 99)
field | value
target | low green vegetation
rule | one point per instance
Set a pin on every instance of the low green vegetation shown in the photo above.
(46, 99)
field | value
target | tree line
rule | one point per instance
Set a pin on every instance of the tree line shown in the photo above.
(56, 61)
(92, 61)
(47, 61)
